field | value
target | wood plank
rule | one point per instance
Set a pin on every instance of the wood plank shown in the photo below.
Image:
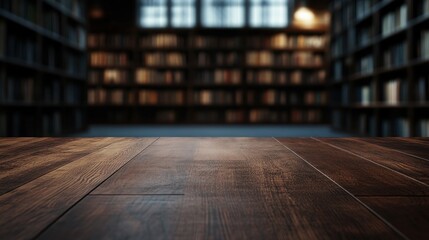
(415, 168)
(35, 147)
(161, 169)
(27, 210)
(123, 217)
(357, 175)
(25, 169)
(409, 214)
(401, 146)
(9, 144)
(267, 193)
(423, 141)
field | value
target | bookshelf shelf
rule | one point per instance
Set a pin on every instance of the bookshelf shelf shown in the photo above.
(42, 70)
(208, 75)
(377, 86)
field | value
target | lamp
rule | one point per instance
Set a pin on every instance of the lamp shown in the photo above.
(303, 14)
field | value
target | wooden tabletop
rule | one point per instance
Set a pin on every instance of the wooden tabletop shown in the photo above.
(214, 188)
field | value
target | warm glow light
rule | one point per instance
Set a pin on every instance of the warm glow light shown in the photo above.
(304, 15)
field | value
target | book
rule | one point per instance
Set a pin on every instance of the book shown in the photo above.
(168, 77)
(394, 20)
(217, 97)
(395, 92)
(423, 50)
(422, 89)
(423, 128)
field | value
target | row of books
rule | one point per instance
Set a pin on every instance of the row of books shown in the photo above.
(422, 89)
(52, 21)
(162, 41)
(76, 35)
(74, 7)
(342, 17)
(75, 63)
(17, 89)
(52, 55)
(219, 76)
(22, 90)
(365, 64)
(337, 70)
(108, 76)
(276, 97)
(110, 40)
(423, 8)
(26, 9)
(423, 128)
(395, 91)
(143, 97)
(20, 47)
(295, 77)
(396, 55)
(283, 40)
(337, 47)
(216, 42)
(109, 59)
(365, 94)
(266, 58)
(103, 96)
(174, 41)
(213, 116)
(207, 59)
(394, 20)
(395, 127)
(164, 59)
(209, 97)
(148, 76)
(366, 124)
(423, 51)
(363, 7)
(365, 35)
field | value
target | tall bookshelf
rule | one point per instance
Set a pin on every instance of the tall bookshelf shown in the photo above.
(379, 62)
(42, 67)
(207, 75)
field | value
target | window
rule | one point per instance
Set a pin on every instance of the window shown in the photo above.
(222, 13)
(183, 13)
(213, 13)
(153, 13)
(266, 13)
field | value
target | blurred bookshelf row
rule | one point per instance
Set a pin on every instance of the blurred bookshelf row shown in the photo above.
(69, 63)
(379, 67)
(42, 67)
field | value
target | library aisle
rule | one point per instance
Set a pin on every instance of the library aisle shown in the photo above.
(215, 188)
(210, 131)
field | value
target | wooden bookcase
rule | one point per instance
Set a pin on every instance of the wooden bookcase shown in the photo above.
(207, 75)
(379, 67)
(42, 67)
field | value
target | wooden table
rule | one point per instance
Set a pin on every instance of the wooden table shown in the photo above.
(214, 188)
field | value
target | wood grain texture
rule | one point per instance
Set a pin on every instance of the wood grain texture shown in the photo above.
(161, 169)
(29, 209)
(409, 214)
(256, 190)
(400, 145)
(357, 175)
(11, 144)
(20, 170)
(410, 166)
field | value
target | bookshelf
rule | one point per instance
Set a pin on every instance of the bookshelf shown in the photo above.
(205, 75)
(42, 67)
(378, 67)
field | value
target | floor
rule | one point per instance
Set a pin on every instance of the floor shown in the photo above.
(210, 131)
(214, 188)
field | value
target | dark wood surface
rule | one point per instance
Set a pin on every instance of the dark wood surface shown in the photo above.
(213, 188)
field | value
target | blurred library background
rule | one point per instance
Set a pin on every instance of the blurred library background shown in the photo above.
(214, 68)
